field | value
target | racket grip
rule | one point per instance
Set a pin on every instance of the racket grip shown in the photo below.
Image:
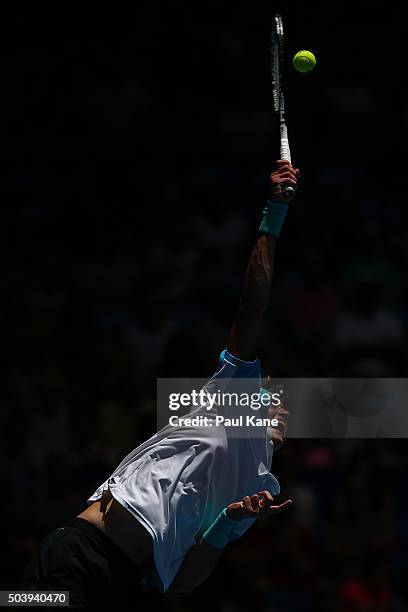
(284, 143)
(287, 190)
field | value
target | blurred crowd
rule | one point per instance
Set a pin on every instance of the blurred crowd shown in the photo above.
(138, 170)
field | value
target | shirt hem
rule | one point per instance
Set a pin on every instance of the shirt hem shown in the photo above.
(113, 488)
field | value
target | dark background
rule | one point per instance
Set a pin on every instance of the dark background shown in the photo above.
(135, 155)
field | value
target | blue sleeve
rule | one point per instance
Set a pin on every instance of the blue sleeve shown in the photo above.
(247, 375)
(233, 367)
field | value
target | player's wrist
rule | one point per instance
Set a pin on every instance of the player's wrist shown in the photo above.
(273, 217)
(231, 512)
(219, 534)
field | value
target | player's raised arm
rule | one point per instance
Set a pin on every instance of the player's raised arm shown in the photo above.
(257, 284)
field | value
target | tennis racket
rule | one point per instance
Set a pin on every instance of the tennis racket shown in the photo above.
(277, 93)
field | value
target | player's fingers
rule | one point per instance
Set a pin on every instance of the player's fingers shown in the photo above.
(285, 165)
(246, 502)
(288, 174)
(282, 179)
(281, 169)
(289, 181)
(266, 498)
(275, 176)
(255, 502)
(276, 509)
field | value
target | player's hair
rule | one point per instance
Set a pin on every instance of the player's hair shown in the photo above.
(273, 385)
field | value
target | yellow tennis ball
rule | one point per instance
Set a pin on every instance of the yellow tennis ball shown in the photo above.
(304, 61)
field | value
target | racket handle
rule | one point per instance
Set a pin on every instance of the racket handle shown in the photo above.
(284, 143)
(287, 190)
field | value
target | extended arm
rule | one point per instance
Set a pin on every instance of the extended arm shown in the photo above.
(197, 565)
(201, 559)
(258, 278)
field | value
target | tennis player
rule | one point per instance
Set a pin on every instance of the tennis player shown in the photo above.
(163, 517)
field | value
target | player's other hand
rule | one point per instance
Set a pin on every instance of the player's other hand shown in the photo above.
(256, 506)
(284, 174)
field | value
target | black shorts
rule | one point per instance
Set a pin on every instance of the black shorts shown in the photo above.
(81, 559)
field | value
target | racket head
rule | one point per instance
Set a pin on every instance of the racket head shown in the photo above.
(277, 57)
(276, 61)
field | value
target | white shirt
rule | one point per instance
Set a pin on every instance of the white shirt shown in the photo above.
(177, 482)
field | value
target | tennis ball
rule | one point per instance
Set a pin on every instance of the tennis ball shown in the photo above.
(304, 61)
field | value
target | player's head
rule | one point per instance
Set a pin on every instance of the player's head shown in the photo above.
(276, 411)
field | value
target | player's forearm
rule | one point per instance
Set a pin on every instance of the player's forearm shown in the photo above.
(254, 298)
(197, 565)
(258, 278)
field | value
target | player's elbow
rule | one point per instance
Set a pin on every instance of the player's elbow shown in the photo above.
(256, 299)
(196, 567)
(183, 589)
(255, 307)
(185, 586)
(186, 582)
